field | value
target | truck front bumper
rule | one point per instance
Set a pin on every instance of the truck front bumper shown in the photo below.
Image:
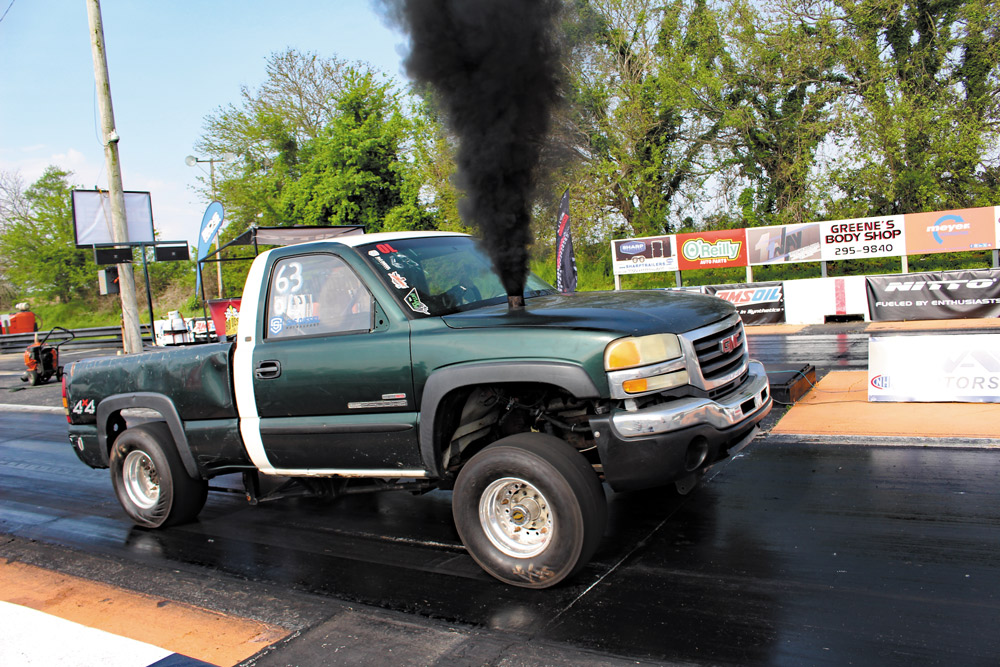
(667, 442)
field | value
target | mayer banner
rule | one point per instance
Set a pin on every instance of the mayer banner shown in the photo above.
(712, 250)
(646, 255)
(757, 303)
(951, 231)
(934, 368)
(934, 296)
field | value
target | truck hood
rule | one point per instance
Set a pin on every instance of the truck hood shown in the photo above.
(628, 312)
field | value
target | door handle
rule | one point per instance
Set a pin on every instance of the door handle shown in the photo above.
(267, 370)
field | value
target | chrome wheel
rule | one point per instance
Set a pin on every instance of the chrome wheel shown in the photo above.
(516, 517)
(142, 482)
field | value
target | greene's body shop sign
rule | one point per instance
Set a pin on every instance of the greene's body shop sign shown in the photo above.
(880, 236)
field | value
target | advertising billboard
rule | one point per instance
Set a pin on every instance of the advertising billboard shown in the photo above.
(646, 255)
(92, 217)
(710, 250)
(934, 295)
(951, 231)
(757, 303)
(784, 243)
(934, 368)
(860, 238)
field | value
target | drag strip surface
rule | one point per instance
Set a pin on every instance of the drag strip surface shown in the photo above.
(789, 554)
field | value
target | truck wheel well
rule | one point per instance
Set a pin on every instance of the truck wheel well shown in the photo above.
(472, 417)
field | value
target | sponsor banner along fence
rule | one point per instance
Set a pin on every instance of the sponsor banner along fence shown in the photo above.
(646, 255)
(934, 296)
(757, 303)
(880, 236)
(710, 250)
(934, 368)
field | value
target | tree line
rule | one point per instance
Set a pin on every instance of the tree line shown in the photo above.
(677, 116)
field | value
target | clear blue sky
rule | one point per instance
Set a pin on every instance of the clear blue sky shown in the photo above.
(170, 64)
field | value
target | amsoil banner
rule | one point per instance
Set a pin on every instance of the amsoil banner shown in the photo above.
(934, 296)
(950, 231)
(646, 255)
(757, 303)
(934, 368)
(710, 250)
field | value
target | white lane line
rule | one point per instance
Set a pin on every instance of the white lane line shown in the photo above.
(32, 637)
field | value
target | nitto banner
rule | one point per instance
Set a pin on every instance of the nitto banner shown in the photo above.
(645, 255)
(950, 231)
(934, 368)
(757, 303)
(786, 243)
(710, 250)
(934, 296)
(859, 238)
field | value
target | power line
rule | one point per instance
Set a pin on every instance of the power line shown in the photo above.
(7, 10)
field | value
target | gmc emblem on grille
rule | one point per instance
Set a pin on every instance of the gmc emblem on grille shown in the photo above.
(727, 345)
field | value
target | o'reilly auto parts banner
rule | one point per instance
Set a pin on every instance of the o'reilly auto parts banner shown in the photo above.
(934, 368)
(645, 255)
(934, 296)
(757, 303)
(711, 250)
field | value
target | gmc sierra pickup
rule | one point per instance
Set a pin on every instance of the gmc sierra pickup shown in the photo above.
(397, 361)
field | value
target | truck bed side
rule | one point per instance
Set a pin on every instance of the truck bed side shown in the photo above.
(191, 388)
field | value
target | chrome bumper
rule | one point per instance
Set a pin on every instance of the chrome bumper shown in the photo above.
(750, 402)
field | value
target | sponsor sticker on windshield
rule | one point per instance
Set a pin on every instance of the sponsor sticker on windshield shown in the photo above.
(412, 300)
(398, 281)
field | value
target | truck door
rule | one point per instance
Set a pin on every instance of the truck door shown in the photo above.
(331, 375)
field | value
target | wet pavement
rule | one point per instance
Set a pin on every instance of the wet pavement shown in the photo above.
(789, 554)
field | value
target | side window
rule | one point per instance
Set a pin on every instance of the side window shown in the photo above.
(316, 294)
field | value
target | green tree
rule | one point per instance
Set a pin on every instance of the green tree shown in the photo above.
(788, 78)
(925, 93)
(37, 242)
(321, 142)
(634, 100)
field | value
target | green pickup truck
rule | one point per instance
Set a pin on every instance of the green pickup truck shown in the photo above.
(397, 361)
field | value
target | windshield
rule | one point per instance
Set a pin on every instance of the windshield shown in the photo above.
(442, 275)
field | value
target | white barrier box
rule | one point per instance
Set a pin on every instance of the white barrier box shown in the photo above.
(962, 368)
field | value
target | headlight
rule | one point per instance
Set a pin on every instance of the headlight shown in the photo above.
(642, 351)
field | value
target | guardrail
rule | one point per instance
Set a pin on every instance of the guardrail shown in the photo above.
(94, 337)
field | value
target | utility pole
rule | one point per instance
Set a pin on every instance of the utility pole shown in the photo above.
(131, 336)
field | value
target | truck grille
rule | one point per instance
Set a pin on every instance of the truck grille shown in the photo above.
(721, 352)
(716, 362)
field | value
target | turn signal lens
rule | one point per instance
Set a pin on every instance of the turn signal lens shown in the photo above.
(635, 386)
(656, 383)
(642, 351)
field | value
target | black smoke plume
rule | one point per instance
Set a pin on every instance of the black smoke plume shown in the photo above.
(494, 67)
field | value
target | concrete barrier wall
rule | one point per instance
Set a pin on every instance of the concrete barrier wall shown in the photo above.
(812, 300)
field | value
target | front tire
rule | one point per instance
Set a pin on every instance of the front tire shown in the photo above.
(150, 481)
(530, 510)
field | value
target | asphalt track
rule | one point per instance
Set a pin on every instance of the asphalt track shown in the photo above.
(801, 550)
